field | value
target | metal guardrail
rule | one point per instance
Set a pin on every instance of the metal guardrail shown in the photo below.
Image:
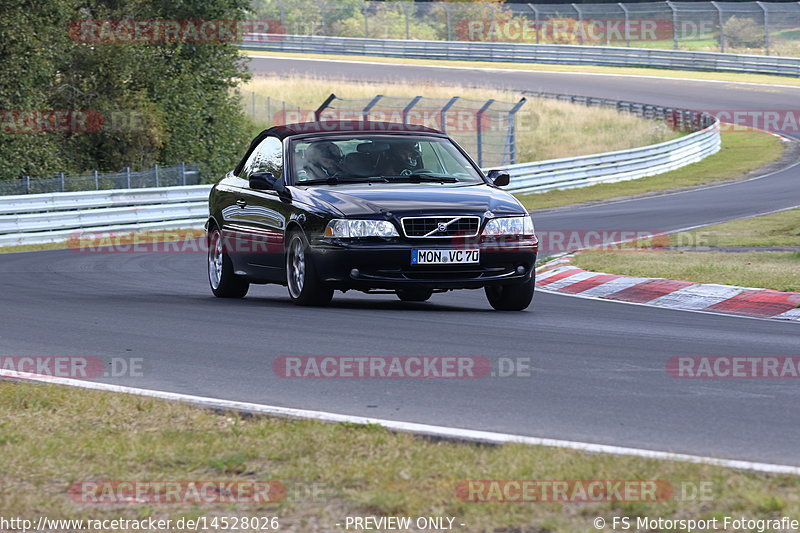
(56, 217)
(611, 167)
(526, 53)
(44, 218)
(581, 171)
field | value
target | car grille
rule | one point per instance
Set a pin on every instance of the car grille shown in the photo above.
(429, 227)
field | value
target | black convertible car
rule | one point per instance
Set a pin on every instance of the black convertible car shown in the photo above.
(368, 206)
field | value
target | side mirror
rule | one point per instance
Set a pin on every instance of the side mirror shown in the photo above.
(499, 177)
(262, 181)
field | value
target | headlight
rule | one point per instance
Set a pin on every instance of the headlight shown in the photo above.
(509, 226)
(344, 228)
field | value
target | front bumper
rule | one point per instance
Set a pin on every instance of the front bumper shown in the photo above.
(387, 265)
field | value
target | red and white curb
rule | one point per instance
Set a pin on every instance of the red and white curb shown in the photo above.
(562, 277)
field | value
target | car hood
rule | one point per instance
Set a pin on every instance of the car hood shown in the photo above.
(412, 200)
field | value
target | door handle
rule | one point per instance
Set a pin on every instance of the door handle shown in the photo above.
(241, 203)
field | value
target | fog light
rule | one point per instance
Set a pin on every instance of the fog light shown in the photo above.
(354, 273)
(520, 269)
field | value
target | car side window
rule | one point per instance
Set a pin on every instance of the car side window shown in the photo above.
(267, 157)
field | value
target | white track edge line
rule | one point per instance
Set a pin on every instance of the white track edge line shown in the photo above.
(457, 67)
(406, 427)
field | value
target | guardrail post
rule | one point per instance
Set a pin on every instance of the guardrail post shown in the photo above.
(766, 27)
(674, 25)
(61, 177)
(628, 24)
(26, 180)
(580, 22)
(128, 177)
(182, 169)
(96, 180)
(408, 108)
(721, 30)
(155, 173)
(535, 20)
(443, 113)
(479, 130)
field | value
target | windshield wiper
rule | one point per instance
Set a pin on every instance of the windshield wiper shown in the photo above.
(417, 178)
(334, 180)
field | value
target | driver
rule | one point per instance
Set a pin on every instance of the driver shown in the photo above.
(323, 160)
(404, 158)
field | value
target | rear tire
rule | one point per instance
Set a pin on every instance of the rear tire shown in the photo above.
(414, 295)
(511, 297)
(224, 283)
(304, 286)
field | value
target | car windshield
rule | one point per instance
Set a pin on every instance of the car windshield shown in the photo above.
(380, 158)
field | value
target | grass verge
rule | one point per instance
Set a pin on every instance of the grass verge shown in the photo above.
(52, 437)
(749, 268)
(764, 79)
(741, 153)
(546, 129)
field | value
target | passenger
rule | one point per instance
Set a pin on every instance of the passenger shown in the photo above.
(323, 160)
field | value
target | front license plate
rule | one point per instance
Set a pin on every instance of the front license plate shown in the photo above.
(445, 257)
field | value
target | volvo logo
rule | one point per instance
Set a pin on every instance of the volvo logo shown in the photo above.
(442, 227)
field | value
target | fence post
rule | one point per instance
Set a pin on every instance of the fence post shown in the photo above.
(443, 113)
(155, 173)
(324, 106)
(405, 9)
(512, 134)
(128, 176)
(580, 22)
(61, 176)
(369, 106)
(408, 108)
(766, 27)
(366, 20)
(674, 25)
(182, 168)
(479, 130)
(628, 25)
(535, 20)
(447, 16)
(721, 30)
(96, 180)
(27, 180)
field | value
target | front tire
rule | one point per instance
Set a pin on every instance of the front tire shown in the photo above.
(511, 297)
(224, 283)
(304, 286)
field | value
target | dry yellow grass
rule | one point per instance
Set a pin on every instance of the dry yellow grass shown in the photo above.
(546, 129)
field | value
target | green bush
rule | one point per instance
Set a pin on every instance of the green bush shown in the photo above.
(161, 102)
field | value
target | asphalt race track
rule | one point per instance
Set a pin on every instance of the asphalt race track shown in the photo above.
(598, 367)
